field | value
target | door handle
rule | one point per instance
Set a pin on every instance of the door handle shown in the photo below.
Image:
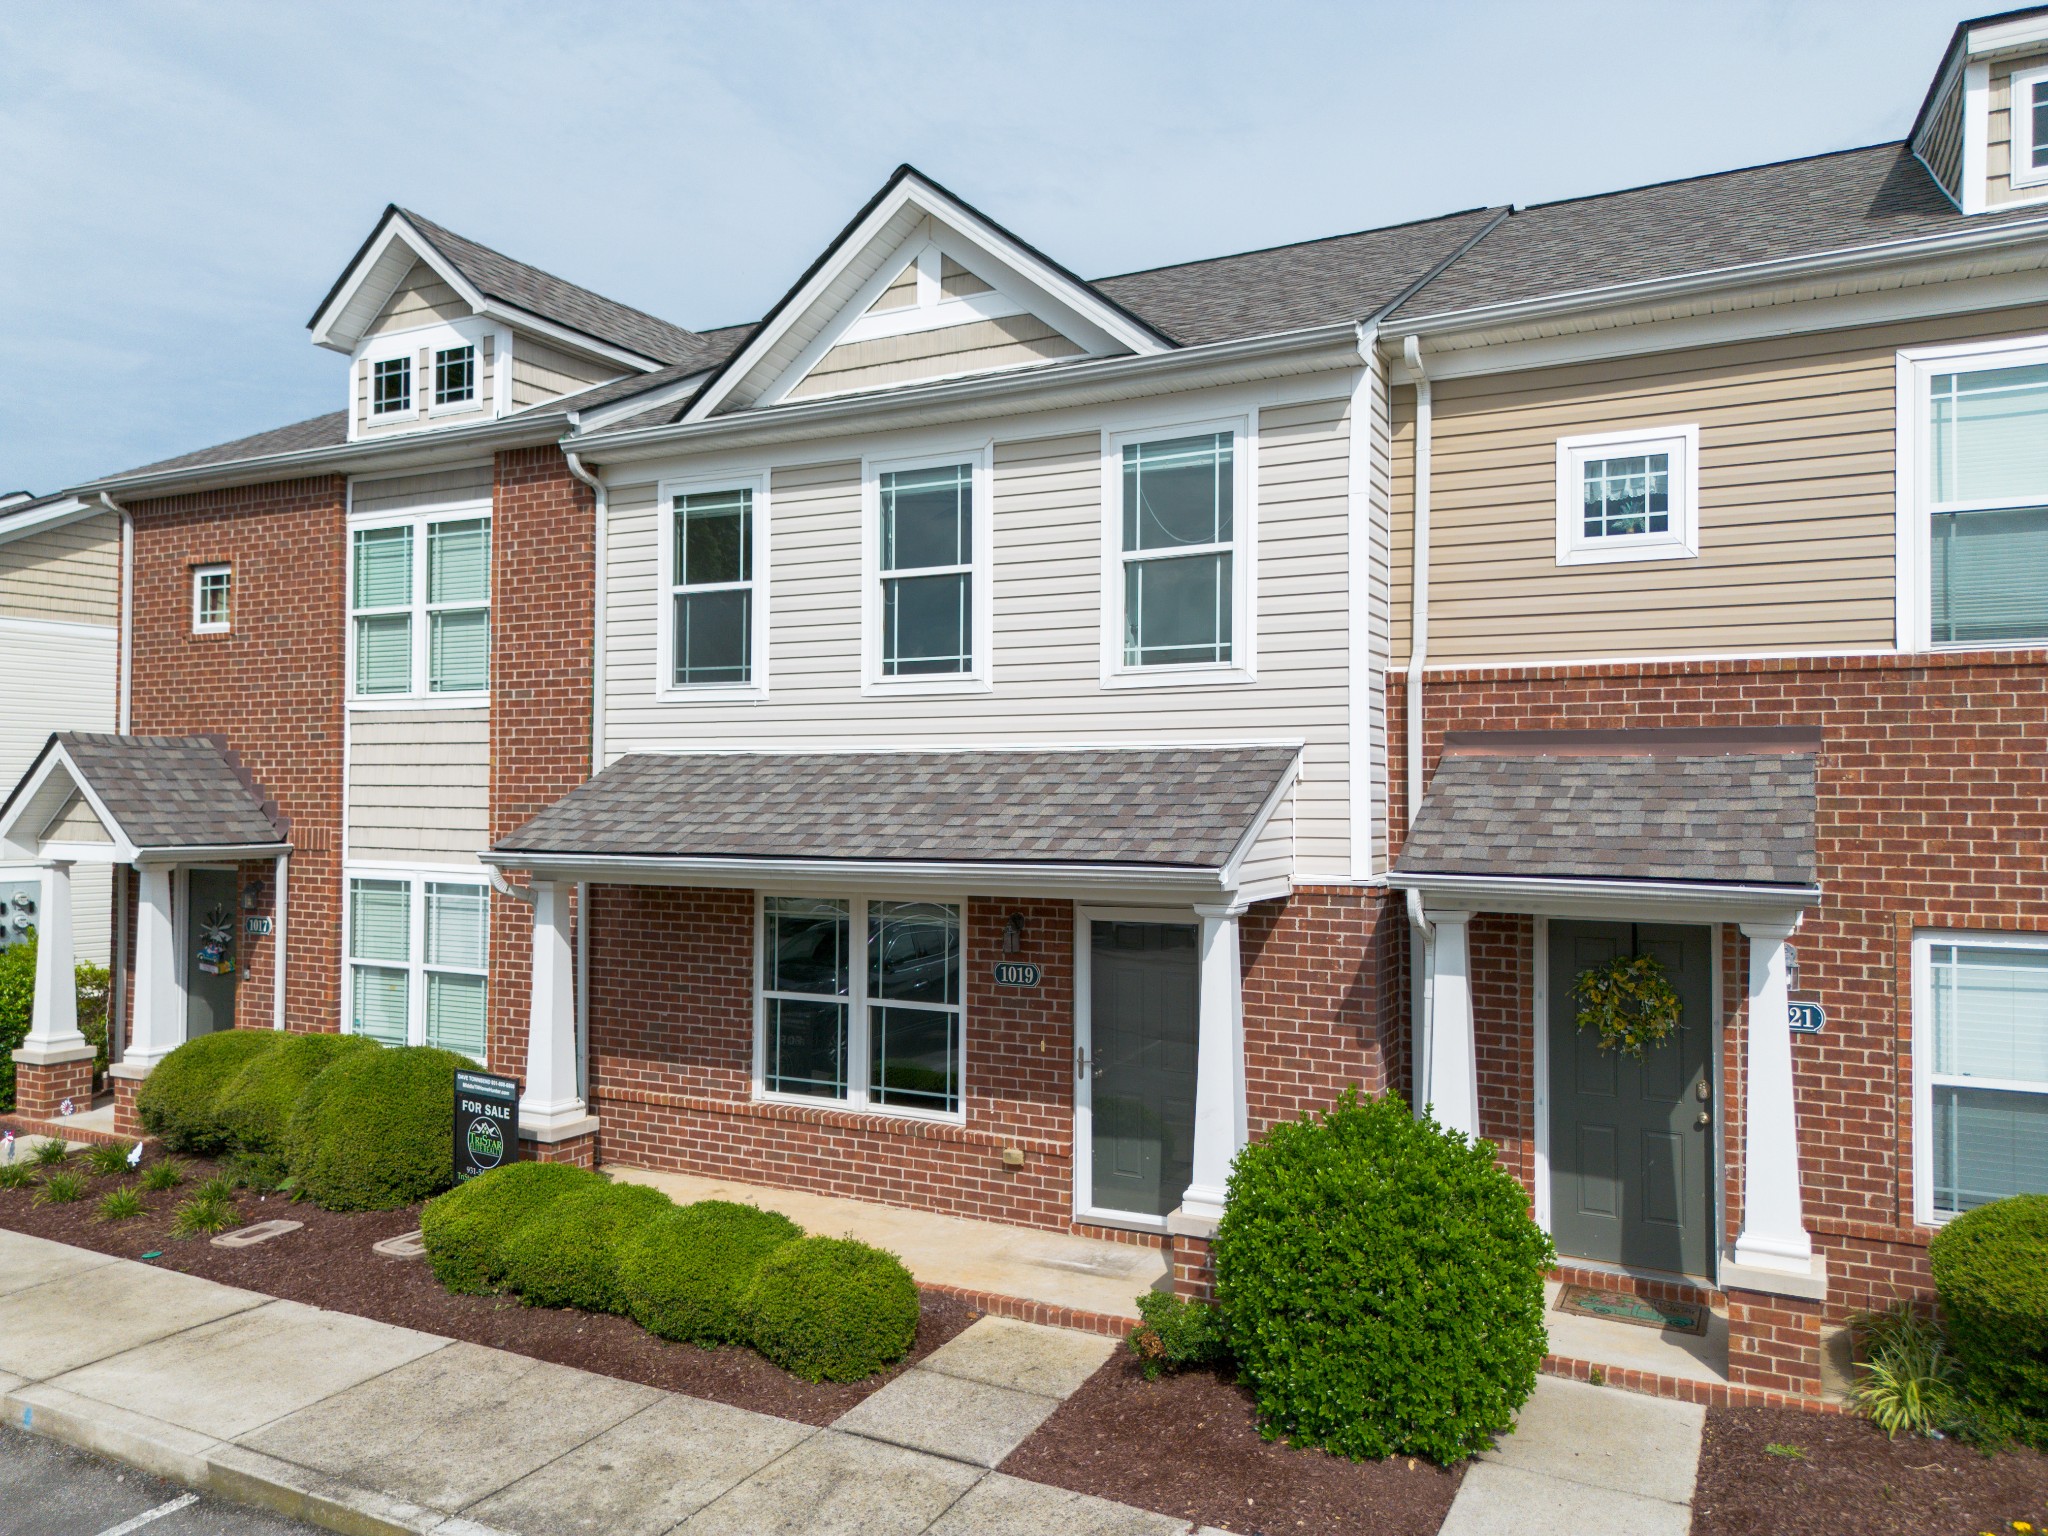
(1705, 1119)
(1080, 1061)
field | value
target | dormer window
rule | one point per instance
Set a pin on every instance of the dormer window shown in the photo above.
(455, 376)
(391, 386)
(2030, 128)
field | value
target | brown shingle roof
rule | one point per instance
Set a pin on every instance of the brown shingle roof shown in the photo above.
(174, 791)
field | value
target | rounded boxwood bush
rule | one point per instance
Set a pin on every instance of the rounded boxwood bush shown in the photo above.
(1382, 1282)
(566, 1254)
(255, 1104)
(182, 1097)
(685, 1272)
(1990, 1274)
(372, 1131)
(465, 1228)
(831, 1309)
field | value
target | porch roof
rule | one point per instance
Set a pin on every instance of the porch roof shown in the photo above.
(100, 795)
(1205, 816)
(1728, 807)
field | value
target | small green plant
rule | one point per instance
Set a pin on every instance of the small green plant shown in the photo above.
(17, 1175)
(168, 1174)
(120, 1204)
(222, 1186)
(49, 1153)
(264, 1173)
(106, 1159)
(1174, 1334)
(1785, 1452)
(1906, 1380)
(61, 1189)
(204, 1215)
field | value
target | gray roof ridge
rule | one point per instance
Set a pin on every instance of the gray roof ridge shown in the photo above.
(1296, 245)
(1736, 170)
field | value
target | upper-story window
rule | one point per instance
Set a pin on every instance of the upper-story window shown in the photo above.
(1628, 496)
(420, 594)
(2030, 128)
(928, 597)
(1981, 1038)
(711, 587)
(1986, 489)
(212, 587)
(391, 387)
(455, 375)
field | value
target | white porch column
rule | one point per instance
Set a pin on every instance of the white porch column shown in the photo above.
(159, 1007)
(550, 1105)
(1450, 1089)
(53, 1018)
(1220, 1119)
(1773, 1233)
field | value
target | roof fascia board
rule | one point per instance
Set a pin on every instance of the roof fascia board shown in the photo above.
(1687, 285)
(1332, 346)
(179, 852)
(908, 187)
(56, 515)
(597, 417)
(396, 228)
(568, 336)
(1675, 900)
(2001, 36)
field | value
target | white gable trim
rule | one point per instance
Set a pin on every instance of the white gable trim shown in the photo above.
(1092, 323)
(56, 515)
(37, 803)
(346, 318)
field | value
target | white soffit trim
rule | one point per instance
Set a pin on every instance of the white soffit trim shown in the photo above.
(598, 417)
(376, 276)
(56, 515)
(1672, 900)
(1090, 320)
(2020, 32)
(43, 792)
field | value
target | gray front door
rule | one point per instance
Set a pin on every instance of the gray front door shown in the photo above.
(1632, 1142)
(1144, 981)
(212, 954)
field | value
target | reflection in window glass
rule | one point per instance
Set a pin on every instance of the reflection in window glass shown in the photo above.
(927, 527)
(806, 975)
(1179, 518)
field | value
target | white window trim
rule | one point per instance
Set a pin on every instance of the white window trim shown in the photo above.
(666, 689)
(203, 626)
(980, 678)
(433, 338)
(1922, 1030)
(476, 401)
(417, 877)
(857, 1040)
(382, 412)
(419, 695)
(2021, 129)
(1243, 666)
(1913, 464)
(1680, 542)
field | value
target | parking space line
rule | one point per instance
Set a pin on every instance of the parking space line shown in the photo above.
(149, 1515)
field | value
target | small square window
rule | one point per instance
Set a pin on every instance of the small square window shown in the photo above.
(391, 386)
(454, 375)
(1628, 496)
(211, 590)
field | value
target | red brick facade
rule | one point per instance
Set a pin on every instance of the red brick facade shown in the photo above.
(40, 1090)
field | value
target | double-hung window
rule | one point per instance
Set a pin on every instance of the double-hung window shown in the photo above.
(928, 598)
(712, 567)
(877, 1023)
(418, 961)
(2030, 128)
(420, 596)
(1982, 1037)
(391, 387)
(455, 375)
(1630, 495)
(1177, 555)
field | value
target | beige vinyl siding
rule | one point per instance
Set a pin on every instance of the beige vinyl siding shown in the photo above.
(956, 282)
(70, 573)
(421, 299)
(900, 294)
(1998, 145)
(1796, 496)
(979, 346)
(75, 823)
(1047, 652)
(400, 494)
(419, 785)
(1379, 491)
(1940, 144)
(541, 372)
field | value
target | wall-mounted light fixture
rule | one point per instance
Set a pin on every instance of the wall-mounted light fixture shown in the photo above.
(1013, 934)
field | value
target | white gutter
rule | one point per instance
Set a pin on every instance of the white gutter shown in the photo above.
(1421, 984)
(596, 484)
(1509, 893)
(646, 869)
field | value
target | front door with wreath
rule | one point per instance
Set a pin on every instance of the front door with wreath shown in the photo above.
(1632, 1117)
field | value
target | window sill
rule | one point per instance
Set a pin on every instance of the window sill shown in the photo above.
(421, 701)
(466, 408)
(720, 694)
(1626, 554)
(1180, 677)
(926, 687)
(211, 631)
(862, 1112)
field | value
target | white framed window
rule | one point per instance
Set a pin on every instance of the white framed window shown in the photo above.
(863, 1003)
(212, 594)
(1973, 494)
(419, 959)
(420, 606)
(391, 386)
(1179, 555)
(714, 569)
(1980, 1080)
(2030, 128)
(455, 377)
(1630, 495)
(927, 600)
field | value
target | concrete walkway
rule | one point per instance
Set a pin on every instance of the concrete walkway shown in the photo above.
(1585, 1461)
(364, 1427)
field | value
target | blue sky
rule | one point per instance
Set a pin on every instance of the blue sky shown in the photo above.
(182, 182)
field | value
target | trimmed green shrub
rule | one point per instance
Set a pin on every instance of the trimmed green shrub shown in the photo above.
(256, 1103)
(94, 986)
(566, 1254)
(180, 1099)
(1174, 1334)
(1992, 1277)
(831, 1309)
(1382, 1282)
(465, 1228)
(17, 1003)
(684, 1273)
(372, 1131)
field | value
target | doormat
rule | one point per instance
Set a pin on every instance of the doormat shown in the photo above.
(1621, 1307)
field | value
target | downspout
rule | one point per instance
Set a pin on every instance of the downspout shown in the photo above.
(596, 484)
(1422, 979)
(117, 988)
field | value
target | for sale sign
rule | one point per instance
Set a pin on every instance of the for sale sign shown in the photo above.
(486, 1123)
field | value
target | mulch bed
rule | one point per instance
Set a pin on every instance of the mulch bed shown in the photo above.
(329, 1263)
(1185, 1445)
(1852, 1479)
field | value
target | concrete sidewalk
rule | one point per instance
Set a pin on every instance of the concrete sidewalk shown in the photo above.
(363, 1427)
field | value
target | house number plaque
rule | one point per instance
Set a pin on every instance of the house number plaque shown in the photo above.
(1015, 973)
(1805, 1018)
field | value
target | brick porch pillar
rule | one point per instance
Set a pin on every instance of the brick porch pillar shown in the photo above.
(55, 1060)
(1774, 1342)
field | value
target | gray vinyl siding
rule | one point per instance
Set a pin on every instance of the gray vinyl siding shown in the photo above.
(541, 372)
(71, 574)
(399, 494)
(1046, 661)
(421, 299)
(1940, 144)
(419, 785)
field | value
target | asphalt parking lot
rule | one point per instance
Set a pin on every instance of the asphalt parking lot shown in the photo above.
(48, 1489)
